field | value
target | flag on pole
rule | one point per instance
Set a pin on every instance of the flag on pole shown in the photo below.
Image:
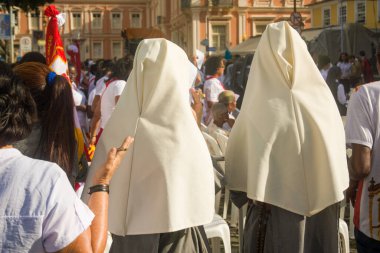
(57, 62)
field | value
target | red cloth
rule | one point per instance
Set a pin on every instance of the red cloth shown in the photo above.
(367, 71)
(75, 60)
(55, 54)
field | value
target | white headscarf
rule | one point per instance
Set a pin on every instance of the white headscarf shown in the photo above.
(287, 147)
(166, 182)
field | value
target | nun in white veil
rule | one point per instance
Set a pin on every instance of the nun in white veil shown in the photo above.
(286, 151)
(164, 192)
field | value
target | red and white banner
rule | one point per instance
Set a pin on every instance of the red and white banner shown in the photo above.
(55, 53)
(57, 62)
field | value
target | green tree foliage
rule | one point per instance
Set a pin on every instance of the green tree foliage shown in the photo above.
(25, 5)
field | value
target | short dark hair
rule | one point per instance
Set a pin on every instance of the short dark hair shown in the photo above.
(212, 64)
(17, 108)
(122, 68)
(5, 69)
(362, 53)
(33, 57)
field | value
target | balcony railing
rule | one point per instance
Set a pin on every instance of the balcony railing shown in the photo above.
(185, 4)
(220, 3)
(210, 3)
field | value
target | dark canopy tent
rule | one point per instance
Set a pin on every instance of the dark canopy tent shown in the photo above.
(355, 38)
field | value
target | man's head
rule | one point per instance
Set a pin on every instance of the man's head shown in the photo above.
(323, 61)
(214, 66)
(228, 98)
(72, 73)
(220, 114)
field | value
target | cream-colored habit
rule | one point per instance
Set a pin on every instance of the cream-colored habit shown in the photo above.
(166, 182)
(287, 147)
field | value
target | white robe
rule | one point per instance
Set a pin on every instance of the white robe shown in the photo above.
(287, 147)
(166, 182)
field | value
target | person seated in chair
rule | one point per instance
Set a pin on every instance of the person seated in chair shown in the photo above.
(220, 115)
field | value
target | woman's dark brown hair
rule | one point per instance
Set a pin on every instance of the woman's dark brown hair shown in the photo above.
(16, 110)
(55, 110)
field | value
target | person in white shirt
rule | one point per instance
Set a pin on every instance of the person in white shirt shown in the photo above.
(337, 89)
(345, 66)
(80, 100)
(220, 117)
(40, 210)
(229, 98)
(362, 135)
(324, 65)
(112, 90)
(214, 68)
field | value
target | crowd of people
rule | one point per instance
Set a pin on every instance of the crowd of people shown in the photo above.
(348, 73)
(285, 157)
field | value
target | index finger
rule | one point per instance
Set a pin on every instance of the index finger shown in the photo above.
(121, 151)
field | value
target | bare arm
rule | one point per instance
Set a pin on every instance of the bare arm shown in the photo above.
(197, 105)
(360, 162)
(116, 99)
(95, 122)
(94, 239)
(95, 102)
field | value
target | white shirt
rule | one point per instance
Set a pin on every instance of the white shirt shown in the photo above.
(214, 130)
(39, 210)
(362, 127)
(108, 104)
(345, 67)
(212, 88)
(80, 99)
(91, 82)
(325, 72)
(100, 86)
(341, 94)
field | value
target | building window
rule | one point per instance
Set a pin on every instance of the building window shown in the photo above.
(135, 20)
(326, 17)
(96, 20)
(34, 21)
(116, 22)
(15, 18)
(76, 21)
(342, 14)
(97, 50)
(260, 29)
(360, 11)
(116, 49)
(219, 37)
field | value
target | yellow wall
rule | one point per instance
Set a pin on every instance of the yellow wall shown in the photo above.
(334, 14)
(371, 13)
(317, 17)
(350, 11)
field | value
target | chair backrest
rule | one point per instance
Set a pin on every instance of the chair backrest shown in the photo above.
(203, 127)
(215, 151)
(222, 141)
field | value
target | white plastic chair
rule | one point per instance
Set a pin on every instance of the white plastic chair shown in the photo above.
(222, 142)
(109, 243)
(214, 150)
(343, 236)
(218, 229)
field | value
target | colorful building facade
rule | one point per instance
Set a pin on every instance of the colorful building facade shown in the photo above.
(223, 24)
(95, 24)
(325, 13)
